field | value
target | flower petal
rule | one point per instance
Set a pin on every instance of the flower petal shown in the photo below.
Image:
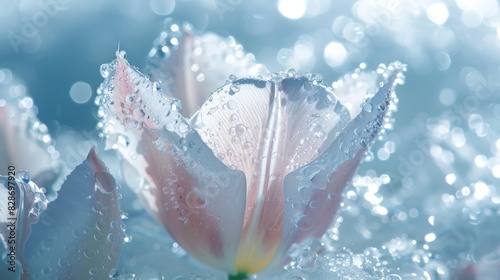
(313, 191)
(81, 232)
(190, 66)
(268, 128)
(23, 137)
(198, 199)
(352, 89)
(21, 202)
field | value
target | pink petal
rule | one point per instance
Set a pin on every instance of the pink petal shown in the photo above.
(198, 199)
(268, 128)
(80, 233)
(190, 66)
(313, 191)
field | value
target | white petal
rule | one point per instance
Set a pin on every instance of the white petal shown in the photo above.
(80, 233)
(190, 66)
(268, 128)
(325, 177)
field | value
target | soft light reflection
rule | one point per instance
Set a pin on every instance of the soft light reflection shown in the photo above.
(430, 237)
(451, 178)
(447, 96)
(162, 7)
(335, 54)
(481, 190)
(80, 92)
(480, 161)
(437, 13)
(496, 170)
(292, 9)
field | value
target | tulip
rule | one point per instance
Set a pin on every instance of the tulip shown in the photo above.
(259, 166)
(77, 235)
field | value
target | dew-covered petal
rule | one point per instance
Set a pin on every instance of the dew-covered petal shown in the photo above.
(21, 202)
(24, 140)
(190, 66)
(80, 234)
(313, 191)
(352, 89)
(198, 199)
(268, 128)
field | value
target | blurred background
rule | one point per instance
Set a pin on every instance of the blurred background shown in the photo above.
(426, 199)
(54, 44)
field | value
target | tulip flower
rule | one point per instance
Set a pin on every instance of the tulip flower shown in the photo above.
(77, 235)
(258, 166)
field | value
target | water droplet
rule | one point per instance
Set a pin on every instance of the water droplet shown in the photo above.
(93, 271)
(111, 237)
(232, 78)
(138, 114)
(89, 253)
(46, 270)
(113, 273)
(174, 178)
(368, 107)
(231, 104)
(235, 88)
(308, 86)
(157, 86)
(240, 129)
(123, 215)
(305, 192)
(127, 238)
(307, 259)
(369, 156)
(248, 145)
(236, 140)
(24, 176)
(317, 77)
(97, 206)
(112, 255)
(195, 200)
(303, 223)
(200, 77)
(183, 128)
(233, 118)
(331, 196)
(77, 232)
(114, 224)
(104, 69)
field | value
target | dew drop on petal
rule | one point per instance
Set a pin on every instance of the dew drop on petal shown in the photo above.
(235, 88)
(195, 200)
(104, 69)
(24, 176)
(231, 105)
(111, 237)
(367, 107)
(303, 223)
(113, 273)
